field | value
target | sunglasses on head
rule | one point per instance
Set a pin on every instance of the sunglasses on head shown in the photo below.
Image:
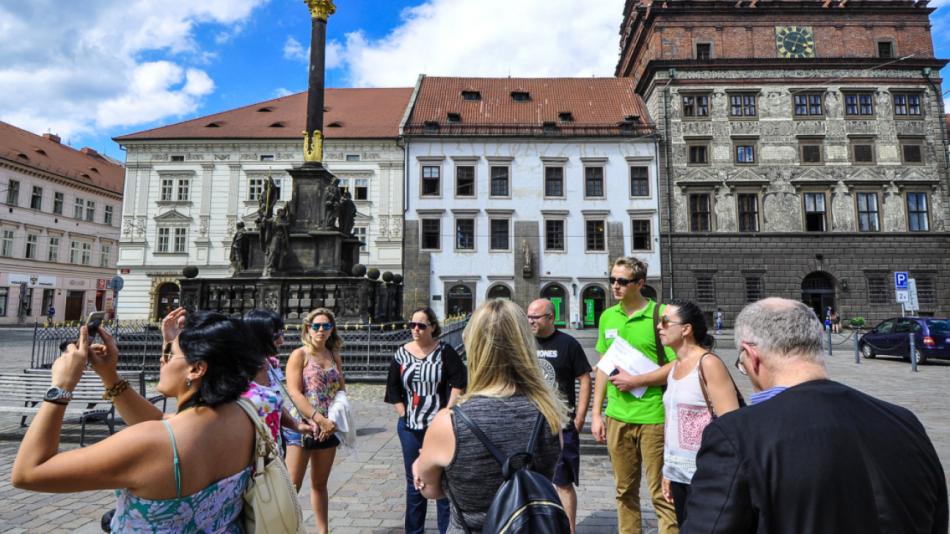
(322, 326)
(624, 282)
(414, 325)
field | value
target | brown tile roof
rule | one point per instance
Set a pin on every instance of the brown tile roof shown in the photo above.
(360, 113)
(46, 153)
(553, 106)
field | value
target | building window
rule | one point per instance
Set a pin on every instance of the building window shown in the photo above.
(705, 289)
(696, 106)
(500, 177)
(499, 234)
(58, 203)
(810, 152)
(815, 212)
(30, 252)
(184, 185)
(858, 104)
(641, 230)
(352, 157)
(907, 104)
(167, 189)
(107, 215)
(593, 181)
(885, 49)
(104, 255)
(90, 211)
(181, 240)
(808, 105)
(917, 220)
(471, 95)
(877, 289)
(267, 157)
(912, 152)
(431, 180)
(596, 235)
(554, 181)
(753, 289)
(699, 213)
(6, 243)
(53, 252)
(703, 51)
(431, 234)
(862, 151)
(86, 253)
(639, 182)
(36, 201)
(74, 252)
(361, 233)
(13, 192)
(360, 189)
(926, 291)
(745, 153)
(868, 215)
(178, 158)
(698, 154)
(554, 234)
(4, 296)
(748, 204)
(742, 105)
(465, 181)
(79, 206)
(464, 234)
(163, 239)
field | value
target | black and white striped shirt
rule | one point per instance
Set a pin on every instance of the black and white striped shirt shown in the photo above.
(423, 385)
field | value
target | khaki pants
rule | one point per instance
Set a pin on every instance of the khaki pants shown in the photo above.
(628, 445)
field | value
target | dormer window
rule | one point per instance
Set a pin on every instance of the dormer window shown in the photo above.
(471, 95)
(565, 116)
(215, 124)
(276, 125)
(41, 152)
(93, 169)
(335, 124)
(549, 127)
(632, 118)
(885, 49)
(454, 118)
(23, 156)
(520, 96)
(703, 51)
(265, 109)
(86, 176)
(430, 127)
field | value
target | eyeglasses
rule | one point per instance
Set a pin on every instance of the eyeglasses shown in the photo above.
(167, 353)
(624, 282)
(322, 326)
(420, 326)
(665, 322)
(536, 318)
(739, 365)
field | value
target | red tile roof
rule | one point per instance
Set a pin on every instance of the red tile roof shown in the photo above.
(46, 153)
(359, 113)
(596, 106)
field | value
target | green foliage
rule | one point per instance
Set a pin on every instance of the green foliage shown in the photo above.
(857, 322)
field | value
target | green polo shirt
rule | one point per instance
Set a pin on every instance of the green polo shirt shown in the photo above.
(637, 329)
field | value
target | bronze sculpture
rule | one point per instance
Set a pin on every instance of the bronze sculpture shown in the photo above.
(239, 249)
(347, 214)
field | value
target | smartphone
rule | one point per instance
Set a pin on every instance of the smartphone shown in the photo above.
(93, 322)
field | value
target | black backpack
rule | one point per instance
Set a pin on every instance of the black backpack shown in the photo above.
(526, 502)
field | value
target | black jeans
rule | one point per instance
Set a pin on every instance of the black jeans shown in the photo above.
(416, 504)
(680, 494)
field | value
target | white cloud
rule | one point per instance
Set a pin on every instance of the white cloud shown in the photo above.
(282, 91)
(489, 38)
(75, 67)
(294, 50)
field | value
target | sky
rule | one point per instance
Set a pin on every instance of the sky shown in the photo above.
(92, 70)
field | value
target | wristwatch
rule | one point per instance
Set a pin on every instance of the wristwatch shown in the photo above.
(58, 395)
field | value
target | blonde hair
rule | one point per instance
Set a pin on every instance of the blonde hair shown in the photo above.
(333, 343)
(503, 360)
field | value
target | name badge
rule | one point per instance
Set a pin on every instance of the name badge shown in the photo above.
(610, 333)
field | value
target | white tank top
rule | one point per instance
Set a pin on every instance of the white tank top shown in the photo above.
(686, 418)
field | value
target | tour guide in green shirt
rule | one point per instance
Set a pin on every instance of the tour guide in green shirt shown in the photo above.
(632, 428)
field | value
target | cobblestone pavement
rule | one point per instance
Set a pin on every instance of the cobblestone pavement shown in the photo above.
(367, 485)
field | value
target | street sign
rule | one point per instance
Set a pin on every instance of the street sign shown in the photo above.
(900, 279)
(912, 304)
(902, 296)
(117, 283)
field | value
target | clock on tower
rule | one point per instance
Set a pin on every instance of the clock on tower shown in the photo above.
(795, 41)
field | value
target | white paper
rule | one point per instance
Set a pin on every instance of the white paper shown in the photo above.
(623, 355)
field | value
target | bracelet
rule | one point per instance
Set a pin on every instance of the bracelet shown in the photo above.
(111, 393)
(313, 414)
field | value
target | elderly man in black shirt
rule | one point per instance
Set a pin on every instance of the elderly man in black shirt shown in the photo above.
(563, 362)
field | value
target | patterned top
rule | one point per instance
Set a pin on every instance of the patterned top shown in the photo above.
(320, 385)
(269, 399)
(423, 385)
(215, 509)
(686, 417)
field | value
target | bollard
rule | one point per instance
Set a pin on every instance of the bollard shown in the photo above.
(829, 341)
(857, 350)
(913, 349)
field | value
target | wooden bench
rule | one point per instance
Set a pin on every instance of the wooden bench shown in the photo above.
(22, 394)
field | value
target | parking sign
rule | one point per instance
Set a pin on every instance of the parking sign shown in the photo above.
(900, 279)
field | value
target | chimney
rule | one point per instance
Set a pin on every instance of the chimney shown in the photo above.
(89, 151)
(52, 137)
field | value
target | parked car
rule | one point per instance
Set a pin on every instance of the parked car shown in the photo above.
(890, 337)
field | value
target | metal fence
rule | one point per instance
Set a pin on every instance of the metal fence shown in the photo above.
(367, 348)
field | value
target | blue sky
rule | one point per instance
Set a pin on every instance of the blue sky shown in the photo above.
(83, 71)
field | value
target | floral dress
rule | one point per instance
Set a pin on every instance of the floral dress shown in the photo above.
(269, 400)
(320, 387)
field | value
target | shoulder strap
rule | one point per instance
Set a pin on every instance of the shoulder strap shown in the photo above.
(660, 349)
(535, 433)
(703, 383)
(263, 442)
(464, 418)
(283, 391)
(171, 436)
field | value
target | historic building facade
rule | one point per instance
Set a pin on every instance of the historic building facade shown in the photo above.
(59, 228)
(804, 150)
(189, 184)
(520, 188)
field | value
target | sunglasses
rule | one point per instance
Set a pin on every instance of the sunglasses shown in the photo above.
(326, 327)
(420, 326)
(665, 322)
(624, 282)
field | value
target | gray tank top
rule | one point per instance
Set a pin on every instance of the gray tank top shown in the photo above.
(473, 476)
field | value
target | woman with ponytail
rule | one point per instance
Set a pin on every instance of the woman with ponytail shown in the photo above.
(699, 389)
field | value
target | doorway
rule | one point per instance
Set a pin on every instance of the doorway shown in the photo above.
(168, 299)
(499, 291)
(460, 300)
(818, 292)
(73, 310)
(595, 300)
(558, 297)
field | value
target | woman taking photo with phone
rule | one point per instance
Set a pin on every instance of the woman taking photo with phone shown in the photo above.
(425, 376)
(314, 376)
(187, 473)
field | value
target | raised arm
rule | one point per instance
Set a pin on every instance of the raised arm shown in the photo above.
(131, 405)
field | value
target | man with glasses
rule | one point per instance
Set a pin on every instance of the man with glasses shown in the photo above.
(819, 456)
(563, 362)
(631, 426)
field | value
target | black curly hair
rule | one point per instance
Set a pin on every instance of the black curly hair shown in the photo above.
(223, 343)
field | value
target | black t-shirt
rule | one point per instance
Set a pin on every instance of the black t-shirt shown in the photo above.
(563, 360)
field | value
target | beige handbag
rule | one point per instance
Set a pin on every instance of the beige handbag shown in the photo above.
(270, 500)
